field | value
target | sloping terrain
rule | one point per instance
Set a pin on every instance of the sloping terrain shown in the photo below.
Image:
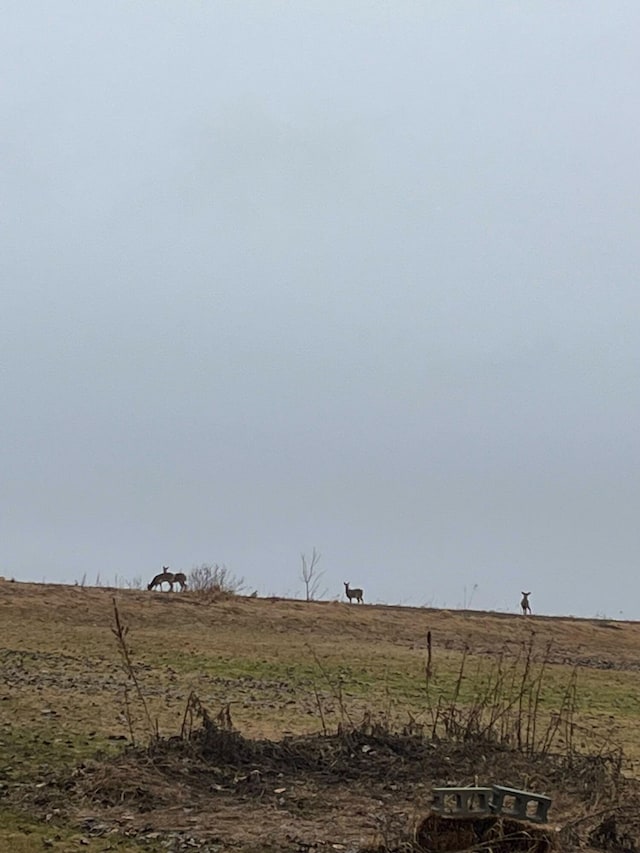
(333, 719)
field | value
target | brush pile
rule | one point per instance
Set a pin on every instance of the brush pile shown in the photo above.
(366, 785)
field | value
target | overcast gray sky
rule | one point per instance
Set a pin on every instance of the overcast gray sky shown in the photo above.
(357, 276)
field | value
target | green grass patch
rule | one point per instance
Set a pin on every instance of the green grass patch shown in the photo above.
(606, 691)
(238, 669)
(22, 833)
(26, 754)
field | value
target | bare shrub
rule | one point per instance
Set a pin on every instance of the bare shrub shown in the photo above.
(121, 582)
(215, 580)
(500, 704)
(311, 576)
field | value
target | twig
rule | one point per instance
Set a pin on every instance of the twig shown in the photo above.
(120, 632)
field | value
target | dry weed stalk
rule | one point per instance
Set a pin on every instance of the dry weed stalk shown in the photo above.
(194, 709)
(505, 706)
(120, 632)
(320, 709)
(500, 704)
(127, 713)
(428, 671)
(336, 689)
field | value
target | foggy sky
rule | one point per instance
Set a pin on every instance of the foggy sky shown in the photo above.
(361, 277)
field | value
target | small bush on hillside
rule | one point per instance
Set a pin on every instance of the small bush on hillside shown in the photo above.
(215, 579)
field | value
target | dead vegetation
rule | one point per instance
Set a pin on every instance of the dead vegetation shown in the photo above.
(504, 706)
(389, 773)
(360, 777)
(214, 582)
(490, 834)
(210, 768)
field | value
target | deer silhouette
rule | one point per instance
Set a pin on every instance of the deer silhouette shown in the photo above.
(166, 576)
(358, 594)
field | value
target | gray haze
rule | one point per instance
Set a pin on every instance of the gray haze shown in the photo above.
(360, 276)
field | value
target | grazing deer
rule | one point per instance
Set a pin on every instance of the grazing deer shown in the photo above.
(353, 593)
(169, 577)
(180, 578)
(525, 604)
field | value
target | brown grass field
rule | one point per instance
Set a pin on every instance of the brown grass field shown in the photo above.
(333, 718)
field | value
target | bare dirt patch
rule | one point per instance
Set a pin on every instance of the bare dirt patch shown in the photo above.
(280, 785)
(364, 789)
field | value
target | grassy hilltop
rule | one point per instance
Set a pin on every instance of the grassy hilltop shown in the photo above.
(281, 668)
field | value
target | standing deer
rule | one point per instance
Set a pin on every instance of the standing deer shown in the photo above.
(525, 604)
(353, 593)
(169, 577)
